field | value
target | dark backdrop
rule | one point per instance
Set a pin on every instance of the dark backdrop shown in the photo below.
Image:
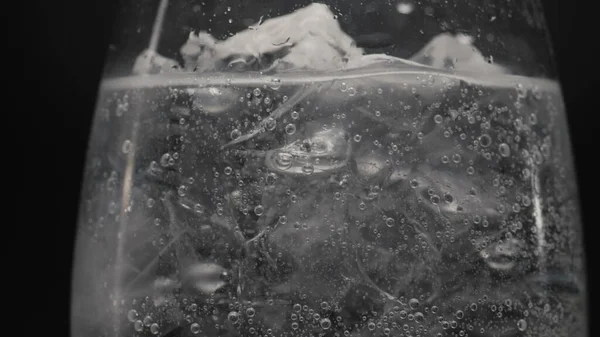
(64, 58)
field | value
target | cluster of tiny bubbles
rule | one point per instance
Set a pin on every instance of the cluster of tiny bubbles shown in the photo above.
(308, 168)
(256, 92)
(504, 150)
(228, 170)
(295, 114)
(126, 147)
(290, 129)
(259, 210)
(235, 134)
(438, 119)
(195, 328)
(270, 123)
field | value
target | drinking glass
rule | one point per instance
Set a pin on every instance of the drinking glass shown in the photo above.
(376, 168)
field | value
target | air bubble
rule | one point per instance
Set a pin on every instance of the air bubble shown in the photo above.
(357, 138)
(270, 123)
(233, 317)
(290, 129)
(195, 328)
(504, 150)
(371, 326)
(413, 303)
(485, 140)
(390, 222)
(522, 325)
(308, 168)
(284, 160)
(414, 183)
(438, 119)
(250, 312)
(325, 323)
(126, 147)
(295, 115)
(154, 329)
(275, 84)
(235, 134)
(132, 315)
(256, 92)
(259, 210)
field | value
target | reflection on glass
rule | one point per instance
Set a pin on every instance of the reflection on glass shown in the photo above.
(329, 169)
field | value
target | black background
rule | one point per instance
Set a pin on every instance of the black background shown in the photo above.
(64, 56)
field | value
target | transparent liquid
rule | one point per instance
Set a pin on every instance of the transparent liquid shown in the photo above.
(391, 200)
